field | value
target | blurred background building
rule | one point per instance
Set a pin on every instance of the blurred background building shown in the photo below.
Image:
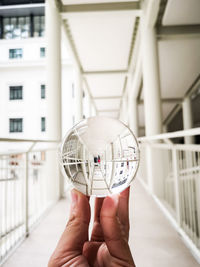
(138, 61)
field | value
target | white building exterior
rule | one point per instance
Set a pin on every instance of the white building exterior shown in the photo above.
(30, 73)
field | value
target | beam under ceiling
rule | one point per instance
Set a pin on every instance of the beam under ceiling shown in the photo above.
(106, 97)
(167, 31)
(94, 7)
(162, 7)
(104, 72)
(108, 110)
(165, 100)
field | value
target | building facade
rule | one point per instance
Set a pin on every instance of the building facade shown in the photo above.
(24, 94)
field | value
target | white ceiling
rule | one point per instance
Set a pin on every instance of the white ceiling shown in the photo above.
(179, 62)
(107, 104)
(182, 12)
(106, 85)
(102, 39)
(103, 42)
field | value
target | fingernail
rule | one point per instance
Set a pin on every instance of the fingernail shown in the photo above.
(74, 197)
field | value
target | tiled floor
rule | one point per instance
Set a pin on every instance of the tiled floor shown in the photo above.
(153, 240)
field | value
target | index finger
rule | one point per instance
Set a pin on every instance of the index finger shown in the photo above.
(97, 233)
(123, 209)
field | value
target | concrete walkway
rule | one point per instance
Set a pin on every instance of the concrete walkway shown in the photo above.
(154, 242)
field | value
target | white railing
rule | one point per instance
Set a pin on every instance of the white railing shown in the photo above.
(29, 185)
(171, 173)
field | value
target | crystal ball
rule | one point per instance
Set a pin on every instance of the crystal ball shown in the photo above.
(99, 156)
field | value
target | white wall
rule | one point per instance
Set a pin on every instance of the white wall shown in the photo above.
(30, 73)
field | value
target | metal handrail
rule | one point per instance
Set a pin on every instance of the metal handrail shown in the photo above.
(183, 133)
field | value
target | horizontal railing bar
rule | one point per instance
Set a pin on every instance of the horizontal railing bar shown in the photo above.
(9, 179)
(28, 140)
(186, 147)
(11, 230)
(16, 152)
(189, 132)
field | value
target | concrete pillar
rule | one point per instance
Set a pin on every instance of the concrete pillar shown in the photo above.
(187, 119)
(53, 71)
(124, 110)
(152, 105)
(90, 106)
(133, 115)
(53, 81)
(78, 96)
(151, 83)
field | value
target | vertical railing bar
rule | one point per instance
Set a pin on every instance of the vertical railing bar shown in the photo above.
(6, 211)
(192, 184)
(186, 195)
(187, 175)
(27, 196)
(13, 213)
(1, 211)
(194, 197)
(182, 186)
(176, 185)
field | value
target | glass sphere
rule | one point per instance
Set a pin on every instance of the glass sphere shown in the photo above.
(99, 156)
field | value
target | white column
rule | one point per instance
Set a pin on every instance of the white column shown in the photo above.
(125, 111)
(133, 115)
(152, 104)
(187, 119)
(151, 86)
(53, 81)
(90, 106)
(78, 96)
(53, 70)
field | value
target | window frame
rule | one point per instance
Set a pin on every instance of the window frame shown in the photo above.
(13, 55)
(43, 124)
(14, 91)
(43, 91)
(15, 125)
(42, 52)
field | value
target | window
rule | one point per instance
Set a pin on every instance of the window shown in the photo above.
(42, 51)
(43, 91)
(43, 124)
(16, 27)
(15, 53)
(15, 92)
(38, 25)
(16, 125)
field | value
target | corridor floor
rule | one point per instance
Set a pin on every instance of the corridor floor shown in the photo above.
(153, 241)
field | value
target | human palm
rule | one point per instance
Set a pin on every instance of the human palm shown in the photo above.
(108, 245)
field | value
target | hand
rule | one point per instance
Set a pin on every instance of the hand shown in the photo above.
(108, 245)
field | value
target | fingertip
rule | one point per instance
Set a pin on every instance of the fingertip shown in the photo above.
(125, 192)
(110, 204)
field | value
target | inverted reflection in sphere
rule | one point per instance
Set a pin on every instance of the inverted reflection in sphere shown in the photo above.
(100, 156)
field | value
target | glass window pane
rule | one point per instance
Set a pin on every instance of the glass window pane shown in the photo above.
(16, 125)
(43, 91)
(43, 124)
(15, 53)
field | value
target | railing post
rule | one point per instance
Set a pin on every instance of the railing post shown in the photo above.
(176, 185)
(27, 195)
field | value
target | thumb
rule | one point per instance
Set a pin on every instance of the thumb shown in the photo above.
(75, 234)
(114, 234)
